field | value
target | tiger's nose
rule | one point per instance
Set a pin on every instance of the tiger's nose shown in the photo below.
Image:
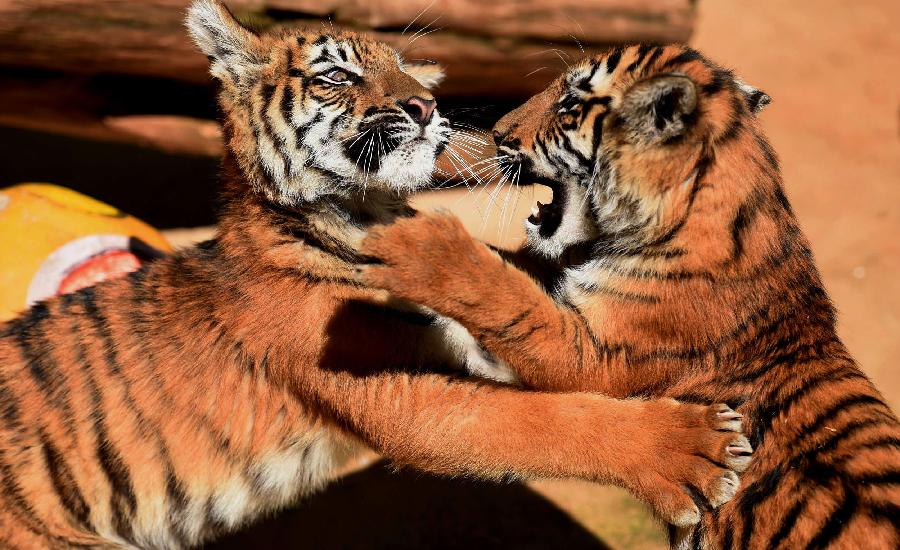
(418, 108)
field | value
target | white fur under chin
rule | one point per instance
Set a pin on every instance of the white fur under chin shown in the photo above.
(576, 226)
(408, 167)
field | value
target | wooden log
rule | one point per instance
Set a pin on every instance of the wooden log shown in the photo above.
(56, 57)
(590, 21)
(487, 47)
(169, 133)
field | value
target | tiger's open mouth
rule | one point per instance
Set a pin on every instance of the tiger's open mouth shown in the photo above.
(546, 217)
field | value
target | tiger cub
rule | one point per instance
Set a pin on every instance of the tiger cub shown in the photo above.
(228, 379)
(677, 269)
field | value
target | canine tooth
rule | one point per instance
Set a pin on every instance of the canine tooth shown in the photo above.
(535, 211)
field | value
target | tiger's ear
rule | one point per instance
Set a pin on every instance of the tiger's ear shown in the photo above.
(428, 73)
(659, 108)
(233, 50)
(755, 98)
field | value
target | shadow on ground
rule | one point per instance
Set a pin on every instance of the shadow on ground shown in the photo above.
(377, 508)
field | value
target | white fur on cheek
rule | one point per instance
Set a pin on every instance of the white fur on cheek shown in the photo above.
(408, 167)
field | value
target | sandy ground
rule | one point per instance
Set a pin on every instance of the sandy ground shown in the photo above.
(833, 69)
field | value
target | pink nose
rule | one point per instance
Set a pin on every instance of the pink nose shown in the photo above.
(419, 109)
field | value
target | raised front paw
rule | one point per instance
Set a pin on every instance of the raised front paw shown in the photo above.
(692, 454)
(416, 256)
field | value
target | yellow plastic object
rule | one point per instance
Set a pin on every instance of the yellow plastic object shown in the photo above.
(54, 240)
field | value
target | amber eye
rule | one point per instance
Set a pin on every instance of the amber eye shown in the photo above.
(337, 76)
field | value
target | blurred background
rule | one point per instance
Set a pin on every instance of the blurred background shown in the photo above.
(110, 98)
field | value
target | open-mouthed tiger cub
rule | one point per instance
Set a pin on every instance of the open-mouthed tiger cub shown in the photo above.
(226, 380)
(680, 272)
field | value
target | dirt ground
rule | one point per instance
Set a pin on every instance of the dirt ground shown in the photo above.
(833, 70)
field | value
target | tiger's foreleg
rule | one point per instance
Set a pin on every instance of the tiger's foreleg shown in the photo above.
(653, 448)
(433, 261)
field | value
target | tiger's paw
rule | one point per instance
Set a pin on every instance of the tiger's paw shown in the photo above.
(414, 257)
(693, 461)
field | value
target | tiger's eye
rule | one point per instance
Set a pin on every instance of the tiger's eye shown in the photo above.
(338, 75)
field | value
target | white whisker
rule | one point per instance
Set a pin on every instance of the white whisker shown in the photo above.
(421, 13)
(410, 43)
(559, 55)
(492, 196)
(533, 54)
(469, 134)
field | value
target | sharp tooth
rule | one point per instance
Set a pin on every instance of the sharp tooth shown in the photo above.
(535, 211)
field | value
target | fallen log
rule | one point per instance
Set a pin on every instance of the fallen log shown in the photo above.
(487, 47)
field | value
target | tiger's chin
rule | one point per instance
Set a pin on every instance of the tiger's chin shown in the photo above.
(409, 167)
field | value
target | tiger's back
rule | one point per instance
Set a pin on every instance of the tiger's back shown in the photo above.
(827, 445)
(124, 422)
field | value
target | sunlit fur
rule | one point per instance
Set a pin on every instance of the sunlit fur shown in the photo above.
(679, 271)
(228, 379)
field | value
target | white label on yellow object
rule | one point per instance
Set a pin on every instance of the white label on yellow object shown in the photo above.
(38, 219)
(60, 262)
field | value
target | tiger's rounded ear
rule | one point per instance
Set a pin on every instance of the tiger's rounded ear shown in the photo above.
(659, 108)
(427, 73)
(755, 98)
(233, 50)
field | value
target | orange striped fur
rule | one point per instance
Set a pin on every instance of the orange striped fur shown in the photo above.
(676, 269)
(224, 381)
